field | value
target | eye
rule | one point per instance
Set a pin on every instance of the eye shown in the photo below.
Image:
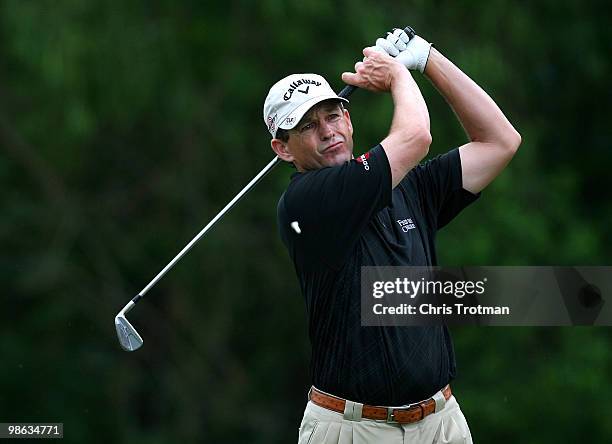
(307, 127)
(333, 116)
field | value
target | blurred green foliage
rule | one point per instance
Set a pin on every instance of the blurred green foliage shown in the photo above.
(125, 126)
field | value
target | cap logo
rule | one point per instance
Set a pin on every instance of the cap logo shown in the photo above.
(295, 85)
(272, 123)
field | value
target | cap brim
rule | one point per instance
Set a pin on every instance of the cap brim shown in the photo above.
(299, 112)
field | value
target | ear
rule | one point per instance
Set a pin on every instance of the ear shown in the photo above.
(347, 116)
(281, 150)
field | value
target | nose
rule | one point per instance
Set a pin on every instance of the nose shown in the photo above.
(325, 130)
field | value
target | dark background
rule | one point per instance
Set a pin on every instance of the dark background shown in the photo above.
(126, 126)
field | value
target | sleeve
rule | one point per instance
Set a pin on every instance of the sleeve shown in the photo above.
(333, 206)
(439, 185)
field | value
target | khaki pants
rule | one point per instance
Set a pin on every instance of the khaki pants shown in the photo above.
(323, 426)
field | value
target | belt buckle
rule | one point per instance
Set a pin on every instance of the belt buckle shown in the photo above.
(390, 416)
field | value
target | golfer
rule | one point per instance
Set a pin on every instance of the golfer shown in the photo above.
(339, 213)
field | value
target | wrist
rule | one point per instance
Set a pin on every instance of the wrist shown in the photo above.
(432, 62)
(400, 78)
(402, 90)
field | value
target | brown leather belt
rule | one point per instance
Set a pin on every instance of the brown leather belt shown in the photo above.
(402, 415)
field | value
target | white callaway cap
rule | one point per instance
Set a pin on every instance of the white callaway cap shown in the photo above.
(290, 98)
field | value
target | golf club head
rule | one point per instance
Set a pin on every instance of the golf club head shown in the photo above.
(129, 338)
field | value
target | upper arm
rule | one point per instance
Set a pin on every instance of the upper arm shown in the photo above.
(481, 162)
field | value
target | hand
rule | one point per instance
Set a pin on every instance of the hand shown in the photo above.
(410, 51)
(378, 72)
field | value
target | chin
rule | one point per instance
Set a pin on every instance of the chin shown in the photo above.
(339, 158)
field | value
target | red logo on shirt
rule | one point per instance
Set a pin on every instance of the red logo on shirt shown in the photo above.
(364, 160)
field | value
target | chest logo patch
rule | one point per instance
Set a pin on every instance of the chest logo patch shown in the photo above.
(363, 159)
(406, 224)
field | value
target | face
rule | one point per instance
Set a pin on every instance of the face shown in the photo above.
(323, 138)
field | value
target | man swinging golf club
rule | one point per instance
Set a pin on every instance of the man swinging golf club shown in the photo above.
(339, 213)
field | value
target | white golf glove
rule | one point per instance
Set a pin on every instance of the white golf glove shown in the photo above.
(411, 51)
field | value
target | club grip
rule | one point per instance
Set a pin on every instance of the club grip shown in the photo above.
(408, 30)
(347, 91)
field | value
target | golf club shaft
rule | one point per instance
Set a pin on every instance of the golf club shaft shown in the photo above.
(210, 224)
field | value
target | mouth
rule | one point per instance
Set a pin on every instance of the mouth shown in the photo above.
(331, 148)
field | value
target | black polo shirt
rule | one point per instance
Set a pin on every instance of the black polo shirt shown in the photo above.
(347, 217)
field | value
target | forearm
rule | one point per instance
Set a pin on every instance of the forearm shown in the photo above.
(481, 118)
(409, 135)
(410, 114)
